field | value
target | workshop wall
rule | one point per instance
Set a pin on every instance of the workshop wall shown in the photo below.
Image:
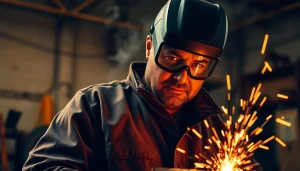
(26, 60)
(27, 57)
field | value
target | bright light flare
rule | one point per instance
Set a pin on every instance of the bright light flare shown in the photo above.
(228, 166)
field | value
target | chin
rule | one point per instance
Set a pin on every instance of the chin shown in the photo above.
(173, 103)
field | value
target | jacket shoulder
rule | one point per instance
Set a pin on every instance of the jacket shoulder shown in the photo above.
(109, 86)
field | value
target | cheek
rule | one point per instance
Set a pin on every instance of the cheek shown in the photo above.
(160, 77)
(195, 87)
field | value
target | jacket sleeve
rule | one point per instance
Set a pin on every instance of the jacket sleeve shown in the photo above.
(70, 141)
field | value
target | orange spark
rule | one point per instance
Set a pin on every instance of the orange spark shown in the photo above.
(200, 165)
(282, 96)
(269, 117)
(180, 150)
(283, 122)
(225, 110)
(263, 101)
(269, 139)
(252, 94)
(280, 142)
(228, 82)
(264, 147)
(264, 44)
(268, 66)
(264, 69)
(256, 97)
(197, 133)
(258, 88)
(206, 123)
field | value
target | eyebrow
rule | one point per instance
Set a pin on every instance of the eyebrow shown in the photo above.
(173, 51)
(202, 60)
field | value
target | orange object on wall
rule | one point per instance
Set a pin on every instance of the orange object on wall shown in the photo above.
(46, 111)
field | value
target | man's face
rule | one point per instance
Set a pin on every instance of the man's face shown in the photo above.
(172, 89)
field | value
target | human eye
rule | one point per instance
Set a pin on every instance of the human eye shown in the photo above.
(200, 64)
(172, 58)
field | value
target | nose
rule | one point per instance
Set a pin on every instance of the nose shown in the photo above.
(181, 76)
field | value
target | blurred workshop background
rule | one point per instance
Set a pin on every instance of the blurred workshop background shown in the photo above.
(51, 48)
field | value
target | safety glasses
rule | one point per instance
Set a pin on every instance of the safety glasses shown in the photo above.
(198, 67)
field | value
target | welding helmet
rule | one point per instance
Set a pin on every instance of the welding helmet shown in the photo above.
(194, 26)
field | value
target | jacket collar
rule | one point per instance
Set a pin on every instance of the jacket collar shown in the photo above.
(202, 103)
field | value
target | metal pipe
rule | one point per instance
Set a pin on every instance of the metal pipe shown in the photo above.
(43, 48)
(73, 15)
(85, 4)
(264, 16)
(60, 5)
(104, 20)
(20, 95)
(56, 55)
(73, 80)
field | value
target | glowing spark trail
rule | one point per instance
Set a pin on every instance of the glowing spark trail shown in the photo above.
(232, 148)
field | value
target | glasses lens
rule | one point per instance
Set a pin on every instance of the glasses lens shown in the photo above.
(201, 67)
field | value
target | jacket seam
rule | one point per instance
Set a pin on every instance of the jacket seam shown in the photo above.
(132, 158)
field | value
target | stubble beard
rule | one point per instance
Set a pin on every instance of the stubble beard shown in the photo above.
(171, 102)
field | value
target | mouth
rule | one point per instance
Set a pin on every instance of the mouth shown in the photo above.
(176, 90)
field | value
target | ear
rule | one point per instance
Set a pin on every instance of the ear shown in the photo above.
(148, 46)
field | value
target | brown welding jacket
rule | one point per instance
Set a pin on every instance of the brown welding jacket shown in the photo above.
(117, 126)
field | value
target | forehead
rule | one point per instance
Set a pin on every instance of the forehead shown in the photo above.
(167, 50)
